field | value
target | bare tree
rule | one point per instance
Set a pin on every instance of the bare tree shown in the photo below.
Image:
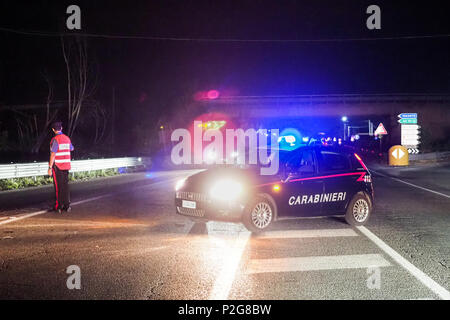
(30, 132)
(81, 83)
(100, 117)
(42, 133)
(25, 130)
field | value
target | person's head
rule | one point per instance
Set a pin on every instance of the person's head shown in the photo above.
(57, 126)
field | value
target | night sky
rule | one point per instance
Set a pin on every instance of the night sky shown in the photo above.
(161, 70)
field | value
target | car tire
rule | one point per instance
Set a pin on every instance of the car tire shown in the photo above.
(258, 214)
(359, 210)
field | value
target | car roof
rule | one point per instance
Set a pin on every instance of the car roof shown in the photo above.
(338, 149)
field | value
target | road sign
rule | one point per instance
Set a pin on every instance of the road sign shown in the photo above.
(410, 140)
(398, 156)
(398, 153)
(408, 115)
(380, 130)
(408, 121)
(411, 127)
(414, 143)
(408, 132)
(410, 135)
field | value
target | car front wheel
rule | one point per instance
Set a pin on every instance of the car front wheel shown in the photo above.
(359, 210)
(258, 215)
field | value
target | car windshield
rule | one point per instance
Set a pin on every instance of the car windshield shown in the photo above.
(283, 158)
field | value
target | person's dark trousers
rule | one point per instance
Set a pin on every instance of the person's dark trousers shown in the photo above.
(61, 184)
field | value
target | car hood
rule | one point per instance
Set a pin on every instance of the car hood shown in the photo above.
(203, 181)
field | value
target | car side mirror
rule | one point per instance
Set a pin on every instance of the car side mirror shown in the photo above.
(285, 173)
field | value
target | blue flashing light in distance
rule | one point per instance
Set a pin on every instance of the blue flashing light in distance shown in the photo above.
(289, 139)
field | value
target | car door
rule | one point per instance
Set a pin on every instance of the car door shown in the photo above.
(302, 189)
(335, 167)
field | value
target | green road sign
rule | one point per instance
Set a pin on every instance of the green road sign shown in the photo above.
(407, 121)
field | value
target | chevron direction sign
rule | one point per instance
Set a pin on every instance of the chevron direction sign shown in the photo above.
(398, 156)
(413, 150)
(398, 153)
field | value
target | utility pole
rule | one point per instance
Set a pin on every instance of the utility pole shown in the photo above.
(381, 143)
(113, 113)
(113, 118)
(345, 129)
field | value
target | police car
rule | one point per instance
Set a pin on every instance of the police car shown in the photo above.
(312, 181)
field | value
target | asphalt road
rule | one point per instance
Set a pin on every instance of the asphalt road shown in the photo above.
(129, 244)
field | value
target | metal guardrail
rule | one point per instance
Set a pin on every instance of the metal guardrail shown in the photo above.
(22, 170)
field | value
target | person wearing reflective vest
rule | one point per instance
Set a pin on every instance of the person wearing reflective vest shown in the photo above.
(59, 166)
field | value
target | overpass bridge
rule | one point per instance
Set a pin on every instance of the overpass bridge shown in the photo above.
(327, 105)
(433, 109)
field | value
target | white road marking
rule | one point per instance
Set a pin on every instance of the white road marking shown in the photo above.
(231, 257)
(320, 233)
(14, 219)
(413, 185)
(29, 215)
(32, 214)
(316, 263)
(90, 199)
(413, 270)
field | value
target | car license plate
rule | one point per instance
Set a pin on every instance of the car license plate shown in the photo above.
(189, 204)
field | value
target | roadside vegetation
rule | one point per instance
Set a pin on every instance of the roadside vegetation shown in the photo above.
(21, 183)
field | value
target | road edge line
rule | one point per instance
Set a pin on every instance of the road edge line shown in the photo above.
(32, 214)
(36, 213)
(14, 219)
(412, 269)
(412, 184)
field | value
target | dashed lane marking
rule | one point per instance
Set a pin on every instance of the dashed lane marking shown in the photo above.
(320, 233)
(316, 263)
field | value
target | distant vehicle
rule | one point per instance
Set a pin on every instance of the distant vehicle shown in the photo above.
(311, 181)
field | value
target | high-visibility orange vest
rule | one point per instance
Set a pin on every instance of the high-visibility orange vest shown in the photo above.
(62, 158)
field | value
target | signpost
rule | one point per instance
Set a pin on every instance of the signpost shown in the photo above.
(410, 132)
(380, 132)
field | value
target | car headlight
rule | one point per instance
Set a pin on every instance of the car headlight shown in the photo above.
(226, 190)
(179, 184)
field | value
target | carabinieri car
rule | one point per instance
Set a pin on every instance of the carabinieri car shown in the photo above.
(311, 181)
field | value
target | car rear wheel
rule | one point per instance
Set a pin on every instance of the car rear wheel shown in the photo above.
(359, 210)
(258, 215)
